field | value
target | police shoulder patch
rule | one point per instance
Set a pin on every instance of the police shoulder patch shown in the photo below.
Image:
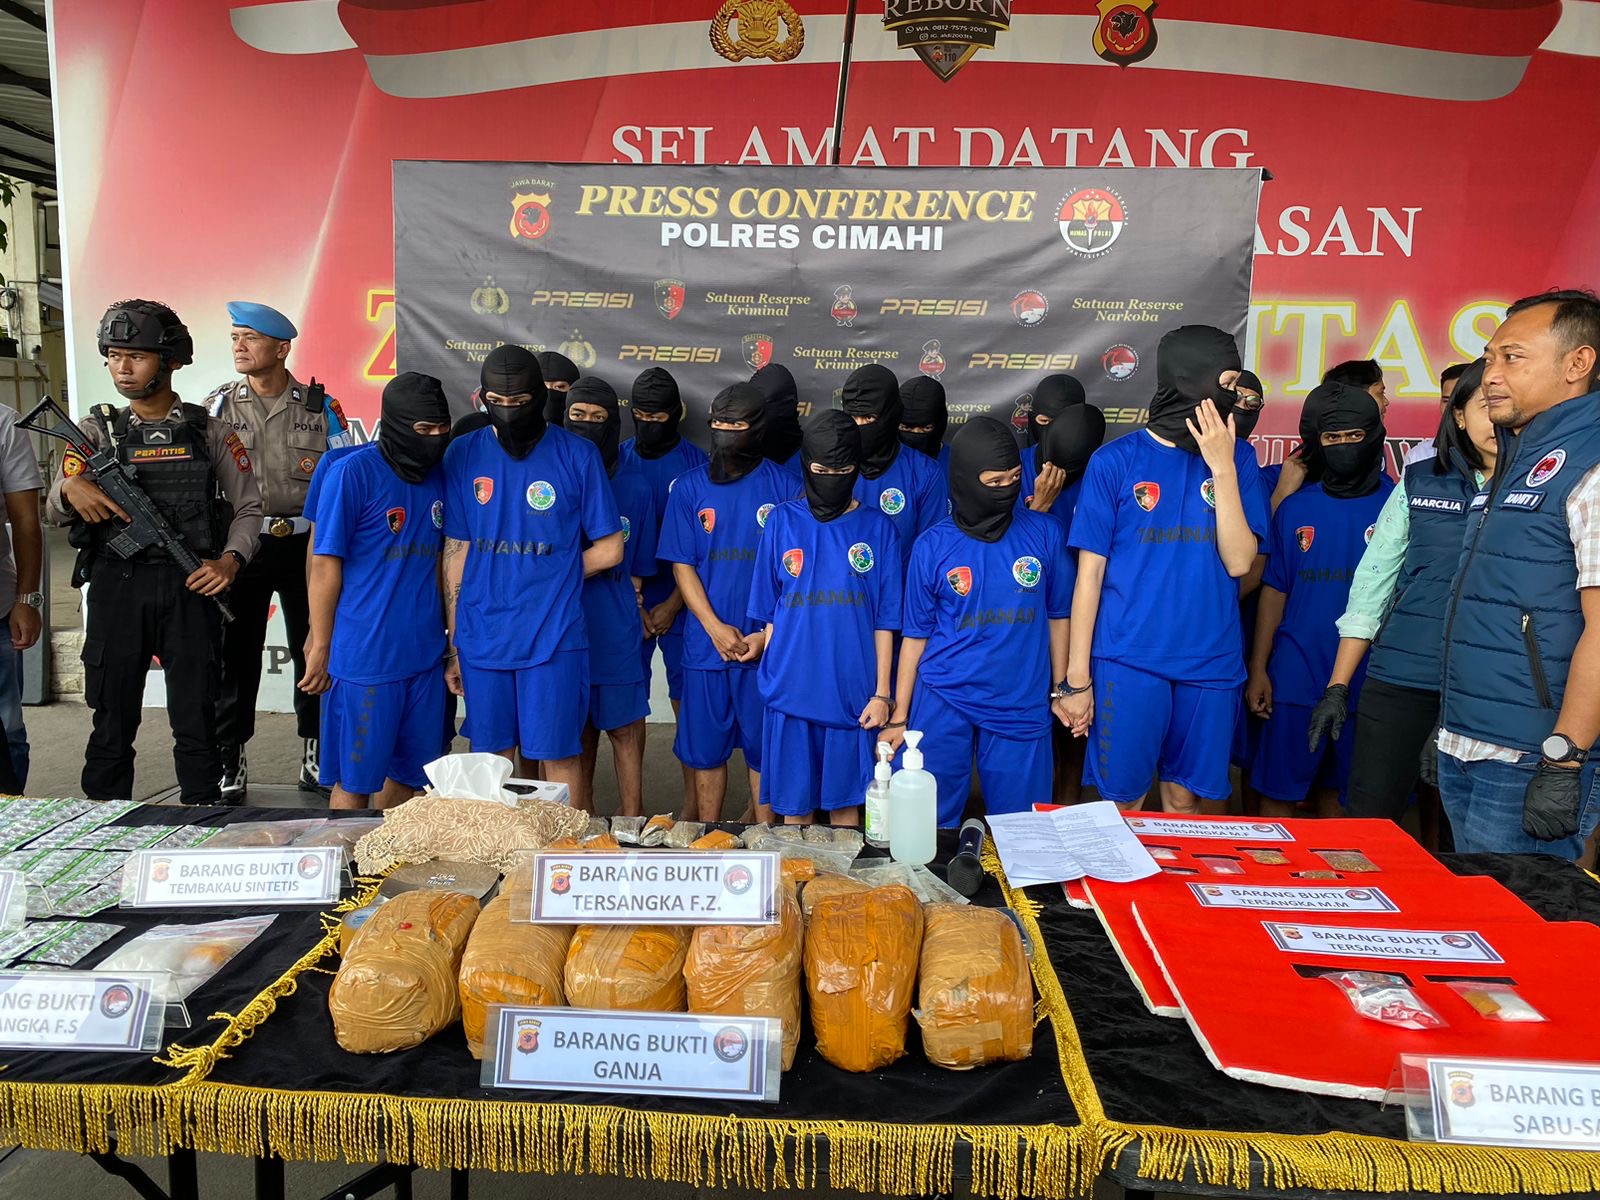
(236, 448)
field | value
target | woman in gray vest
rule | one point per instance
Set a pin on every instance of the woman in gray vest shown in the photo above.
(1396, 608)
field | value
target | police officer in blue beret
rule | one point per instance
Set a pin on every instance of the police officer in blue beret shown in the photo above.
(287, 427)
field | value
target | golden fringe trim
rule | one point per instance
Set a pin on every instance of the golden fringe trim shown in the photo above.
(1329, 1161)
(197, 1062)
(760, 1154)
(85, 1118)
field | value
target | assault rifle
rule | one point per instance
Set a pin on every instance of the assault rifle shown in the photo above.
(146, 527)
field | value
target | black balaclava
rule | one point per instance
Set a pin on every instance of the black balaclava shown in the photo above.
(1244, 423)
(981, 511)
(1069, 440)
(1054, 396)
(1188, 363)
(407, 399)
(737, 452)
(1355, 469)
(783, 411)
(873, 391)
(922, 403)
(593, 390)
(832, 440)
(510, 371)
(656, 391)
(556, 368)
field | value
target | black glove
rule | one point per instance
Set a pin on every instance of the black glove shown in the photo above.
(1428, 764)
(1328, 717)
(1550, 805)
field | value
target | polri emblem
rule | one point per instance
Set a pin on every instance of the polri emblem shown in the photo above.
(482, 489)
(530, 215)
(396, 518)
(959, 579)
(745, 29)
(669, 297)
(708, 519)
(1304, 536)
(1126, 31)
(1147, 495)
(793, 561)
(757, 349)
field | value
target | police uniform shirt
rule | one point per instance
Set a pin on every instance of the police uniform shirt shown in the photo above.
(1168, 605)
(825, 587)
(283, 438)
(525, 522)
(229, 459)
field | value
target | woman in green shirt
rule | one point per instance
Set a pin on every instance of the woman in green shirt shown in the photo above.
(1396, 609)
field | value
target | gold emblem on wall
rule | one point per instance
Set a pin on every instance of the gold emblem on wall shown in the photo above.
(757, 29)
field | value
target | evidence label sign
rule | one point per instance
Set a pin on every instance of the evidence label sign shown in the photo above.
(661, 887)
(653, 1054)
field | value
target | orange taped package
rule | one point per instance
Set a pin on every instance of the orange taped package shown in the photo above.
(510, 962)
(825, 884)
(798, 870)
(974, 996)
(637, 967)
(397, 985)
(861, 972)
(751, 971)
(717, 839)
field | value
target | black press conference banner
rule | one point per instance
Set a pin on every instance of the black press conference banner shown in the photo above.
(987, 280)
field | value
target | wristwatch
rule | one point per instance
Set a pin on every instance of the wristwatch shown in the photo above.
(34, 600)
(1560, 749)
(239, 558)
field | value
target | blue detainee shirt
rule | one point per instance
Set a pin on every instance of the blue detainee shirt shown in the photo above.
(914, 493)
(610, 608)
(526, 523)
(1168, 605)
(1317, 543)
(985, 608)
(661, 473)
(715, 528)
(389, 623)
(826, 587)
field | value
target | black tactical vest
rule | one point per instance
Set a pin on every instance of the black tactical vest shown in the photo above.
(172, 464)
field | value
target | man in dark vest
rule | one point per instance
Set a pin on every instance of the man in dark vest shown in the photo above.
(1521, 672)
(198, 473)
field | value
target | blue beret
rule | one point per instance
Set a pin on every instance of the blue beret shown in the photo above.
(262, 319)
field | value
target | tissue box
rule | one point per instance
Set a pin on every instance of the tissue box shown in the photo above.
(540, 789)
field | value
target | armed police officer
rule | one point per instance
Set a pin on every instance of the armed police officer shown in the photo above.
(197, 473)
(286, 426)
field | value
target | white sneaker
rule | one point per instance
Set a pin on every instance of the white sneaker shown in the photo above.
(235, 774)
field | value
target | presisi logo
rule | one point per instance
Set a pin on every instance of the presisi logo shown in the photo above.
(561, 299)
(998, 361)
(669, 354)
(918, 306)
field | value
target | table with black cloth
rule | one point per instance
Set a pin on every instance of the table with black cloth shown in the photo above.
(272, 1084)
(1166, 1120)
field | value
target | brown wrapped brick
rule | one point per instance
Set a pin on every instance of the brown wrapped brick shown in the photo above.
(751, 970)
(510, 962)
(975, 996)
(637, 967)
(797, 871)
(397, 985)
(825, 884)
(717, 839)
(861, 972)
(602, 841)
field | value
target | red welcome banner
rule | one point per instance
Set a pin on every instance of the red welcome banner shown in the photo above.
(1423, 167)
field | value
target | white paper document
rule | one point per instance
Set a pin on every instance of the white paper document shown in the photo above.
(1069, 843)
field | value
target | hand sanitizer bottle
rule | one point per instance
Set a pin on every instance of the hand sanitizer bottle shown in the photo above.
(878, 798)
(913, 807)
